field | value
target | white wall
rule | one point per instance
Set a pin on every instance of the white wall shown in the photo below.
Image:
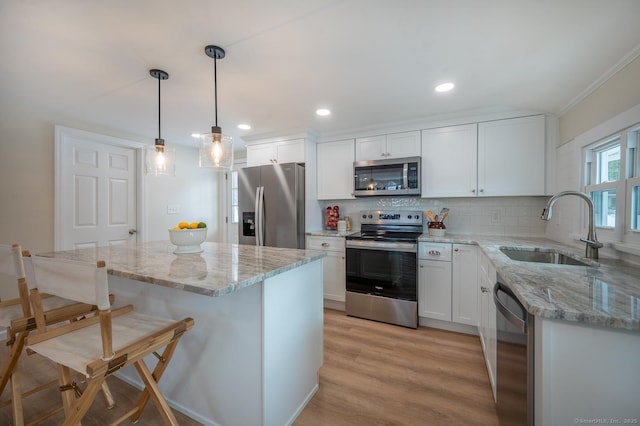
(196, 191)
(27, 180)
(613, 97)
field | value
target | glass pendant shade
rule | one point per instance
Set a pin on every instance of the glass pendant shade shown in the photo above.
(160, 160)
(216, 150)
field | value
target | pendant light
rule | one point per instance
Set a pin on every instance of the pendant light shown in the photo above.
(159, 160)
(216, 149)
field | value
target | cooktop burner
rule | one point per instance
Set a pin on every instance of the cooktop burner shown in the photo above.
(378, 225)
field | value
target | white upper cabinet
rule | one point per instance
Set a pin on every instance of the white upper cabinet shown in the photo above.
(371, 148)
(396, 145)
(494, 158)
(406, 144)
(511, 157)
(291, 151)
(335, 170)
(449, 161)
(257, 155)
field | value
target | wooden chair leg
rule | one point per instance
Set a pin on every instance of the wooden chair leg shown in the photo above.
(159, 369)
(9, 365)
(81, 405)
(152, 386)
(65, 380)
(16, 399)
(106, 394)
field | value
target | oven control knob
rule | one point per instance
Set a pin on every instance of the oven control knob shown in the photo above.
(370, 216)
(409, 217)
(364, 216)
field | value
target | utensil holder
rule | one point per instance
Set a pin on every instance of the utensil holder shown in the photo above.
(436, 229)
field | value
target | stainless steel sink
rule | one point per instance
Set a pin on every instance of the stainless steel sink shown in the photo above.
(544, 256)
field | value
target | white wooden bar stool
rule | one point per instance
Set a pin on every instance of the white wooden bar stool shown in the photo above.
(16, 317)
(97, 347)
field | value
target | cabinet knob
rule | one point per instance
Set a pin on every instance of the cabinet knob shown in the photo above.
(422, 266)
(325, 244)
(473, 191)
(484, 289)
(434, 252)
(481, 190)
(456, 249)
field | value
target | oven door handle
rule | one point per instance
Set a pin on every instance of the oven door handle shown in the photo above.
(378, 245)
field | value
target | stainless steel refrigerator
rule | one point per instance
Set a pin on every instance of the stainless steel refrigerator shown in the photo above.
(271, 205)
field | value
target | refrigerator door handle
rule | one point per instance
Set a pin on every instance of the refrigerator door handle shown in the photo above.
(261, 219)
(256, 211)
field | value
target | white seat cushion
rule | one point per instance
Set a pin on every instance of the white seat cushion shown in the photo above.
(80, 347)
(9, 313)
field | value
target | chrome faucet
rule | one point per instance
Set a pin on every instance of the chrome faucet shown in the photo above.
(592, 241)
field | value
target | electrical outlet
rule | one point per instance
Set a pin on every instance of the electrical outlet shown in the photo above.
(173, 208)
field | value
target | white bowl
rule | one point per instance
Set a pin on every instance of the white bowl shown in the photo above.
(188, 240)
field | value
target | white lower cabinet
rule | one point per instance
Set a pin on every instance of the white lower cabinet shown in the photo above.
(334, 270)
(487, 316)
(464, 282)
(434, 281)
(448, 282)
(434, 300)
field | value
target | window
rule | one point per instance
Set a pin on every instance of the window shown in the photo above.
(605, 207)
(609, 164)
(602, 180)
(612, 180)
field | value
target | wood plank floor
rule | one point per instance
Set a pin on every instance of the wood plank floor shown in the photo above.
(380, 374)
(373, 374)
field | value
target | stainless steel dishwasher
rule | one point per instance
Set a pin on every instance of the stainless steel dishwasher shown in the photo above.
(515, 359)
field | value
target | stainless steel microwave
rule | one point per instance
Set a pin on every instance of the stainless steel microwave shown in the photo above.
(398, 176)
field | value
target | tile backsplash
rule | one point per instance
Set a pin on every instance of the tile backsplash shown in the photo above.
(516, 216)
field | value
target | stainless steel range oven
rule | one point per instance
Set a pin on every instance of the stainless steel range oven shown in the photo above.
(382, 278)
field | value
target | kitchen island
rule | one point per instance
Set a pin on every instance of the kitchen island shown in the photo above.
(587, 330)
(253, 355)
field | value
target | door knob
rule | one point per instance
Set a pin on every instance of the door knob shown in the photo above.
(132, 231)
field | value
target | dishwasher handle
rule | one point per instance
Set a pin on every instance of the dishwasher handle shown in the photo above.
(518, 321)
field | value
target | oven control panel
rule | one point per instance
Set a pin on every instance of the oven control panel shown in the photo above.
(385, 217)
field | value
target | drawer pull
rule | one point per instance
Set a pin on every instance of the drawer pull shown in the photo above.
(325, 244)
(434, 253)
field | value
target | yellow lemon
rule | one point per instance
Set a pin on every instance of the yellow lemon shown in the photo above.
(194, 225)
(176, 228)
(183, 225)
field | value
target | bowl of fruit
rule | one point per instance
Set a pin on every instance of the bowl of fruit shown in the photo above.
(188, 237)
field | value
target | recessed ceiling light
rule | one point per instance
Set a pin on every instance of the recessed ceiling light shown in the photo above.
(445, 87)
(323, 112)
(244, 126)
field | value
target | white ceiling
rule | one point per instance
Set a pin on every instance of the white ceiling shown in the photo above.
(369, 61)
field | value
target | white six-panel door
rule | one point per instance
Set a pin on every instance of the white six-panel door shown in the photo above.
(96, 196)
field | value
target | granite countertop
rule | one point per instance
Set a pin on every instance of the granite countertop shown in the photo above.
(605, 294)
(218, 270)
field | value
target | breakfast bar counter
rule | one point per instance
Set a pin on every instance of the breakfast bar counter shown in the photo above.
(253, 355)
